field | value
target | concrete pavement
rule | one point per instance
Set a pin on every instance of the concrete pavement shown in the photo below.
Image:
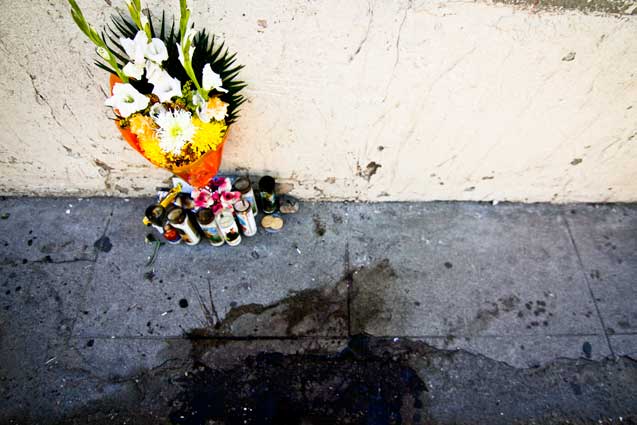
(512, 287)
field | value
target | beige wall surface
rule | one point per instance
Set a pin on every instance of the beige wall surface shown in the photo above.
(360, 100)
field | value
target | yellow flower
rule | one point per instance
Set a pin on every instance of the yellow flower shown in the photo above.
(145, 129)
(142, 125)
(208, 136)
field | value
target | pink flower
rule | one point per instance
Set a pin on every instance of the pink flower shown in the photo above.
(202, 197)
(216, 209)
(229, 198)
(222, 184)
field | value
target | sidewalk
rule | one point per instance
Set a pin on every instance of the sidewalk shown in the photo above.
(508, 287)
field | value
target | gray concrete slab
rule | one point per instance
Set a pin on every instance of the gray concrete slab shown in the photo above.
(624, 345)
(124, 358)
(51, 230)
(38, 304)
(528, 351)
(459, 291)
(126, 298)
(466, 270)
(606, 239)
(41, 299)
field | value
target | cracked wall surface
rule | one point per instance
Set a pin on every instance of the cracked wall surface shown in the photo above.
(365, 100)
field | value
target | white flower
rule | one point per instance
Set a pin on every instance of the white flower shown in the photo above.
(134, 70)
(202, 109)
(165, 86)
(175, 130)
(136, 51)
(135, 48)
(197, 99)
(211, 80)
(126, 99)
(154, 72)
(156, 50)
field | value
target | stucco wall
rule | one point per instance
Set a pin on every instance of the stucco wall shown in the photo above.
(366, 100)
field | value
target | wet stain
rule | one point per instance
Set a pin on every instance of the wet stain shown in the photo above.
(103, 244)
(587, 349)
(624, 324)
(509, 303)
(356, 386)
(369, 287)
(448, 265)
(319, 226)
(321, 311)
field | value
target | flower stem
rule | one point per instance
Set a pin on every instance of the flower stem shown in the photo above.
(97, 39)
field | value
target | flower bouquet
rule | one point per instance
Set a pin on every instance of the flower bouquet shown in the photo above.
(174, 91)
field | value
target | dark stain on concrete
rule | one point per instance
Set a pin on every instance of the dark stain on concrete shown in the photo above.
(368, 295)
(587, 349)
(319, 226)
(316, 311)
(576, 161)
(103, 244)
(356, 386)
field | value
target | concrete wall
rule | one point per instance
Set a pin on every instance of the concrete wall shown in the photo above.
(366, 100)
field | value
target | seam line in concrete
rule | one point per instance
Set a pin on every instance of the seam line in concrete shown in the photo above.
(332, 337)
(92, 274)
(588, 284)
(216, 338)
